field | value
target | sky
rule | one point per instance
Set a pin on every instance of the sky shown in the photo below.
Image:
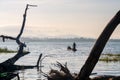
(58, 18)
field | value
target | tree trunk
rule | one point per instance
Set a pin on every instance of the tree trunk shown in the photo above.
(98, 48)
(8, 65)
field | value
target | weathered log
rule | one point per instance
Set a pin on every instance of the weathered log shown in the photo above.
(106, 77)
(8, 65)
(11, 68)
(64, 73)
(98, 48)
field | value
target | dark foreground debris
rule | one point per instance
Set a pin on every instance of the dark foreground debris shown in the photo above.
(86, 70)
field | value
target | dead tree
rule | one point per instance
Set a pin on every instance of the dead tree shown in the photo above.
(9, 64)
(98, 48)
(86, 70)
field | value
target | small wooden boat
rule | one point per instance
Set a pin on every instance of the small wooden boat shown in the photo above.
(73, 47)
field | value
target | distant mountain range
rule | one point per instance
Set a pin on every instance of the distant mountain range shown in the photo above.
(26, 39)
(59, 39)
(64, 39)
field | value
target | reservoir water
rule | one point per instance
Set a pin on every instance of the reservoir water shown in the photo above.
(57, 51)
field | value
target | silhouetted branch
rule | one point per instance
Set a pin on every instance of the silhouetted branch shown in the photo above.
(98, 48)
(10, 62)
(24, 20)
(7, 37)
(63, 74)
(23, 24)
(86, 70)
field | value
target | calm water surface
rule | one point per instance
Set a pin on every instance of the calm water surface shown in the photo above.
(57, 51)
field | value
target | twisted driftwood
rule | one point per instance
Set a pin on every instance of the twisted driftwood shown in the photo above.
(8, 65)
(86, 70)
(98, 48)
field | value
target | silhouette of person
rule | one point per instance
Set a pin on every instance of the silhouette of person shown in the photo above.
(74, 47)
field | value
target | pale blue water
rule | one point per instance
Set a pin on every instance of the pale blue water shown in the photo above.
(57, 51)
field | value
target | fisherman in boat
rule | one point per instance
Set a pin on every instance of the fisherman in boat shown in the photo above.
(73, 47)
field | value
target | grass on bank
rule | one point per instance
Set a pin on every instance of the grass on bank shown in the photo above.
(6, 50)
(110, 57)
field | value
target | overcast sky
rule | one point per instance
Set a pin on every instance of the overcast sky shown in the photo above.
(58, 18)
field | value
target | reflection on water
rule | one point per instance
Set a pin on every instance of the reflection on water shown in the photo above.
(57, 51)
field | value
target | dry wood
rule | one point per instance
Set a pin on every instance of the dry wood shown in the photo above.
(98, 48)
(92, 60)
(8, 65)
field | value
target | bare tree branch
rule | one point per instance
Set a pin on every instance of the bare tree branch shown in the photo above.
(10, 62)
(7, 37)
(98, 48)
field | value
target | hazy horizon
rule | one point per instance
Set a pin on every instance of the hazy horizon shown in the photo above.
(58, 18)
